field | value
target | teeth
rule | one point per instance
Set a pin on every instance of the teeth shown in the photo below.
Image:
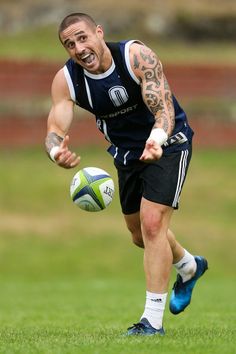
(85, 56)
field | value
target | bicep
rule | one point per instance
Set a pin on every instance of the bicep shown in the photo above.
(149, 70)
(60, 117)
(61, 113)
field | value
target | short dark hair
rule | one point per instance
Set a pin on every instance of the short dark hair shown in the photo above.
(73, 18)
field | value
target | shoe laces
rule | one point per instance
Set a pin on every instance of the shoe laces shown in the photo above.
(177, 285)
(138, 325)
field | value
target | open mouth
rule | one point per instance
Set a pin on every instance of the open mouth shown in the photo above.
(87, 58)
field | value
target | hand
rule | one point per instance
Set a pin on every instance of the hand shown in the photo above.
(151, 152)
(64, 157)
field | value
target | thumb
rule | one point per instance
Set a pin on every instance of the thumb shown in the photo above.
(150, 143)
(65, 141)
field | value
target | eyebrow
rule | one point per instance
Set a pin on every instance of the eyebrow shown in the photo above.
(76, 34)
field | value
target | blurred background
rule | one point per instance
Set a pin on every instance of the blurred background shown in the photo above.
(46, 243)
(194, 39)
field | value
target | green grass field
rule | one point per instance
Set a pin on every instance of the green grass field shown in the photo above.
(72, 282)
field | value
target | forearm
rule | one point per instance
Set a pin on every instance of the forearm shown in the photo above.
(164, 111)
(58, 124)
(52, 143)
(160, 103)
(155, 89)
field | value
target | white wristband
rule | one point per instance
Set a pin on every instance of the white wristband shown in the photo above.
(53, 152)
(158, 135)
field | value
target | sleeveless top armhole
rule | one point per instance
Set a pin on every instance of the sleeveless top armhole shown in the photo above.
(127, 60)
(69, 83)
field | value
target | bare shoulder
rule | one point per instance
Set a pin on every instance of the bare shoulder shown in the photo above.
(141, 50)
(136, 46)
(59, 86)
(143, 58)
(59, 79)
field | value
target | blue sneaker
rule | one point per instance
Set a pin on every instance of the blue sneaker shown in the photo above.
(182, 292)
(143, 328)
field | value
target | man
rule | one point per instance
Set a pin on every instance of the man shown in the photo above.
(123, 84)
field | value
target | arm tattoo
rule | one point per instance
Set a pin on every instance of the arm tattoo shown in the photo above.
(52, 140)
(136, 62)
(156, 91)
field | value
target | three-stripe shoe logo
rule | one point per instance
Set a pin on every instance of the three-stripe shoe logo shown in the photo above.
(118, 95)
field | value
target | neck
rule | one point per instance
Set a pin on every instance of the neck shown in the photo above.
(107, 59)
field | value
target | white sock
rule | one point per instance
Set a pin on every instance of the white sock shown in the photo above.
(186, 267)
(154, 309)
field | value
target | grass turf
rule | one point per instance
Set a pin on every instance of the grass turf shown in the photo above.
(71, 281)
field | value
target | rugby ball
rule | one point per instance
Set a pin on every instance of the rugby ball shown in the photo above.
(92, 189)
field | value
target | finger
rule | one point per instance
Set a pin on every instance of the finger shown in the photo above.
(144, 156)
(63, 157)
(75, 162)
(151, 155)
(69, 160)
(72, 164)
(146, 159)
(59, 153)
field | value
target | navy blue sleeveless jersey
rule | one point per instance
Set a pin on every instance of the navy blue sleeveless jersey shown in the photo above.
(115, 98)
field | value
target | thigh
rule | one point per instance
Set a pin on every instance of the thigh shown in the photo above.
(164, 179)
(130, 187)
(160, 182)
(154, 215)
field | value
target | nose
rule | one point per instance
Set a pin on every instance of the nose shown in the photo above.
(79, 48)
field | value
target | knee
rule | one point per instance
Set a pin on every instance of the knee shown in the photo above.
(153, 225)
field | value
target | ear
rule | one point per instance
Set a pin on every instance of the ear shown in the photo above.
(99, 31)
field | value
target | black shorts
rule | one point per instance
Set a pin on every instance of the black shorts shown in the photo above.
(160, 182)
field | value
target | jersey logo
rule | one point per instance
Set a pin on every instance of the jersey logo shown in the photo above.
(118, 95)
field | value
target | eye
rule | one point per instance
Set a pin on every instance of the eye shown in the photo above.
(82, 38)
(70, 45)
